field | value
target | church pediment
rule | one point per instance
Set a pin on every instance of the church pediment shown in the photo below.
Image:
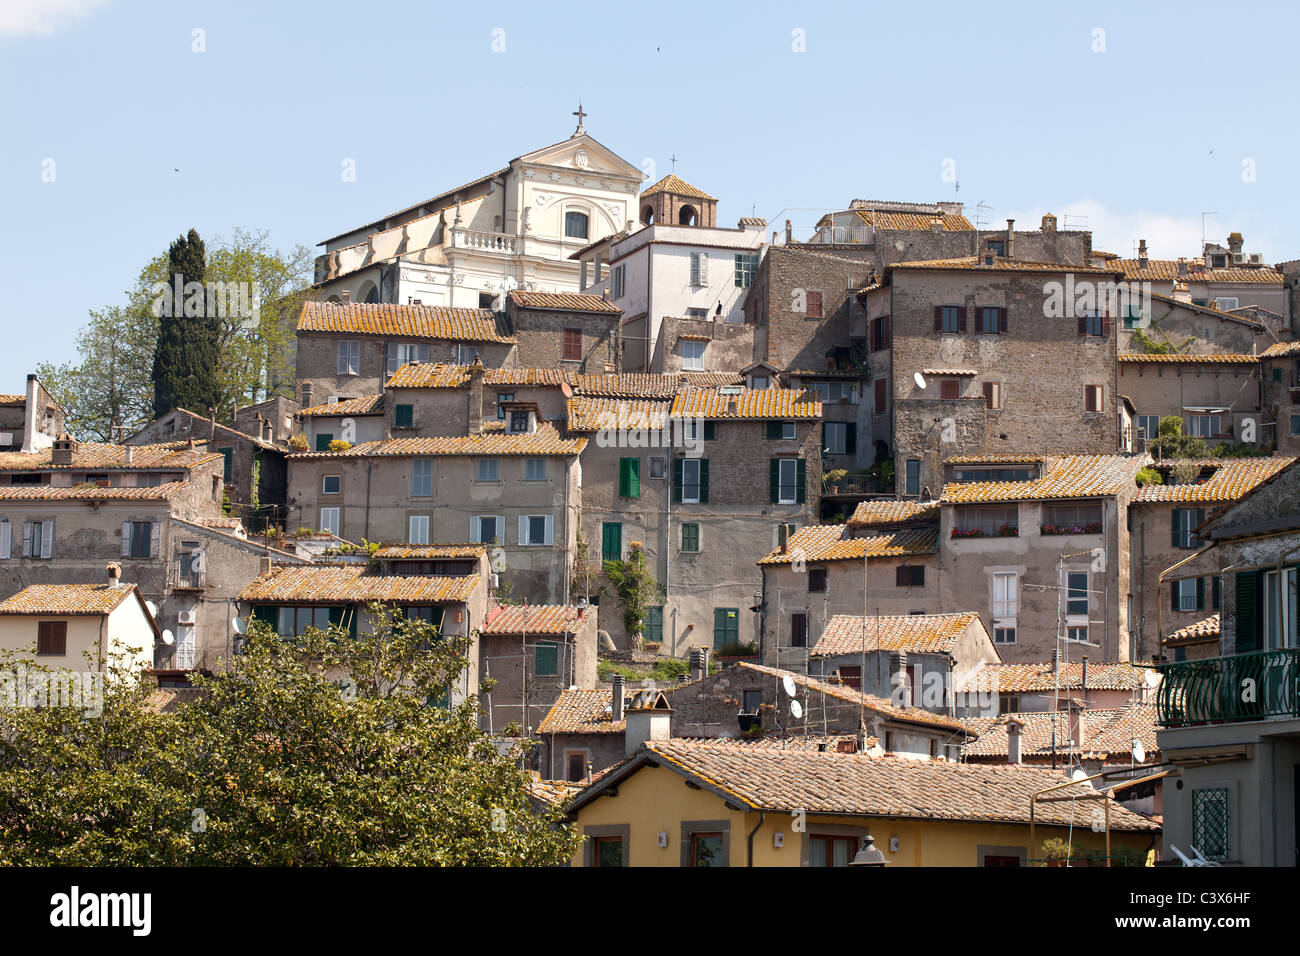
(582, 154)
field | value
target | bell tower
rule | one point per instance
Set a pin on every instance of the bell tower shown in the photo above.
(673, 201)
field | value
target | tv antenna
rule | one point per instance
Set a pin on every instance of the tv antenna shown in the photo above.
(1203, 215)
(979, 214)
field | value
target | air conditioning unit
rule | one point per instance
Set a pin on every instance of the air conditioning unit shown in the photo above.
(1238, 258)
(493, 581)
(185, 617)
(1256, 258)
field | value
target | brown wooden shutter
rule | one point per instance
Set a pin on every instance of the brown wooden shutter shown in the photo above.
(884, 332)
(961, 318)
(1002, 319)
(1105, 326)
(938, 318)
(1083, 325)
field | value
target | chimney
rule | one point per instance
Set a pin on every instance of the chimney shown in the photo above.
(1235, 242)
(1014, 726)
(1142, 253)
(902, 693)
(1182, 267)
(64, 447)
(616, 704)
(306, 394)
(128, 454)
(1049, 223)
(1078, 734)
(789, 235)
(1011, 238)
(646, 723)
(1083, 680)
(264, 565)
(114, 575)
(346, 296)
(476, 398)
(699, 663)
(30, 414)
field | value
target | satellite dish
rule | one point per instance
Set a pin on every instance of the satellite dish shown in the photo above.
(919, 379)
(796, 709)
(168, 637)
(1139, 752)
(153, 608)
(1078, 773)
(1152, 678)
(238, 625)
(787, 684)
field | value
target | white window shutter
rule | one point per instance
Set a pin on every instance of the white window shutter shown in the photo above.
(550, 529)
(126, 539)
(704, 267)
(27, 539)
(47, 539)
(155, 538)
(6, 533)
(523, 530)
(475, 529)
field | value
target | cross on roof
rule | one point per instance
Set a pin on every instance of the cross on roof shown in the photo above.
(580, 114)
(674, 159)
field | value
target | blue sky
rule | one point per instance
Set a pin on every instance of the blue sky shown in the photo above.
(1133, 140)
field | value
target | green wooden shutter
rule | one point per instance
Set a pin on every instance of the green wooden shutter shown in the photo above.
(677, 479)
(548, 660)
(774, 479)
(851, 438)
(629, 477)
(704, 480)
(710, 431)
(774, 431)
(323, 442)
(403, 416)
(611, 541)
(1200, 594)
(1248, 637)
(227, 466)
(268, 614)
(801, 477)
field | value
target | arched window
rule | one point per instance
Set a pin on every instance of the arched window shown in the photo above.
(368, 293)
(575, 225)
(648, 216)
(687, 217)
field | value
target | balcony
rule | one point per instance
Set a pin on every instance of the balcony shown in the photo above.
(183, 578)
(1257, 686)
(855, 486)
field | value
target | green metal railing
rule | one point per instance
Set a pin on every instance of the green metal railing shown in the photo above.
(1253, 686)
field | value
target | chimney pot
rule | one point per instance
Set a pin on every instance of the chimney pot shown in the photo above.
(617, 702)
(346, 296)
(789, 233)
(1014, 726)
(114, 575)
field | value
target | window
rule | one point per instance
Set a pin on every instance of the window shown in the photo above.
(137, 539)
(418, 530)
(851, 676)
(1072, 519)
(323, 440)
(487, 469)
(746, 266)
(781, 431)
(652, 627)
(227, 463)
(835, 393)
(1004, 595)
(486, 529)
(693, 355)
(1077, 634)
(1093, 323)
(572, 351)
(611, 541)
(400, 353)
(880, 333)
(1004, 635)
(1076, 596)
(575, 762)
(38, 539)
(831, 850)
(699, 269)
(503, 397)
(949, 319)
(751, 701)
(1210, 832)
(534, 469)
(330, 484)
(1183, 521)
(990, 320)
(51, 638)
(993, 395)
(690, 486)
(617, 281)
(656, 467)
(1280, 612)
(329, 520)
(403, 416)
(817, 580)
(909, 576)
(421, 477)
(1186, 595)
(629, 477)
(466, 354)
(912, 477)
(546, 659)
(520, 421)
(1226, 302)
(840, 438)
(1205, 426)
(575, 225)
(349, 357)
(799, 630)
(813, 305)
(1149, 424)
(606, 851)
(536, 530)
(698, 314)
(726, 627)
(1295, 424)
(949, 389)
(987, 522)
(787, 477)
(1092, 398)
(706, 848)
(690, 536)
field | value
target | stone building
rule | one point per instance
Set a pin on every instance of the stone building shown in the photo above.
(565, 331)
(354, 420)
(1280, 381)
(1216, 396)
(1226, 279)
(31, 421)
(995, 688)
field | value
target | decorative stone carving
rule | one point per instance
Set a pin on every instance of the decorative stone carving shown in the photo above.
(581, 159)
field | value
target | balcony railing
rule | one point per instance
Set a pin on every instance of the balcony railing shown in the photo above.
(853, 485)
(1255, 686)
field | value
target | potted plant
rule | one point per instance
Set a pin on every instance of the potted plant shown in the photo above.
(833, 479)
(298, 443)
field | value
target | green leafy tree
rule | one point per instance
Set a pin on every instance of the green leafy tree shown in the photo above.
(318, 750)
(1172, 443)
(188, 349)
(637, 590)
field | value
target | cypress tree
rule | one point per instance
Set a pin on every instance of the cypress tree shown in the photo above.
(185, 358)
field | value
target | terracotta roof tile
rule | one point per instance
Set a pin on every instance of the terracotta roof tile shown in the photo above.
(350, 584)
(871, 514)
(365, 405)
(750, 403)
(863, 785)
(1038, 677)
(995, 460)
(912, 221)
(587, 414)
(95, 456)
(161, 492)
(579, 711)
(674, 184)
(1073, 476)
(1177, 358)
(410, 321)
(1000, 264)
(832, 542)
(1280, 349)
(919, 633)
(1107, 734)
(555, 619)
(1167, 270)
(646, 385)
(69, 599)
(1202, 632)
(564, 302)
(545, 441)
(13, 399)
(1232, 478)
(429, 551)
